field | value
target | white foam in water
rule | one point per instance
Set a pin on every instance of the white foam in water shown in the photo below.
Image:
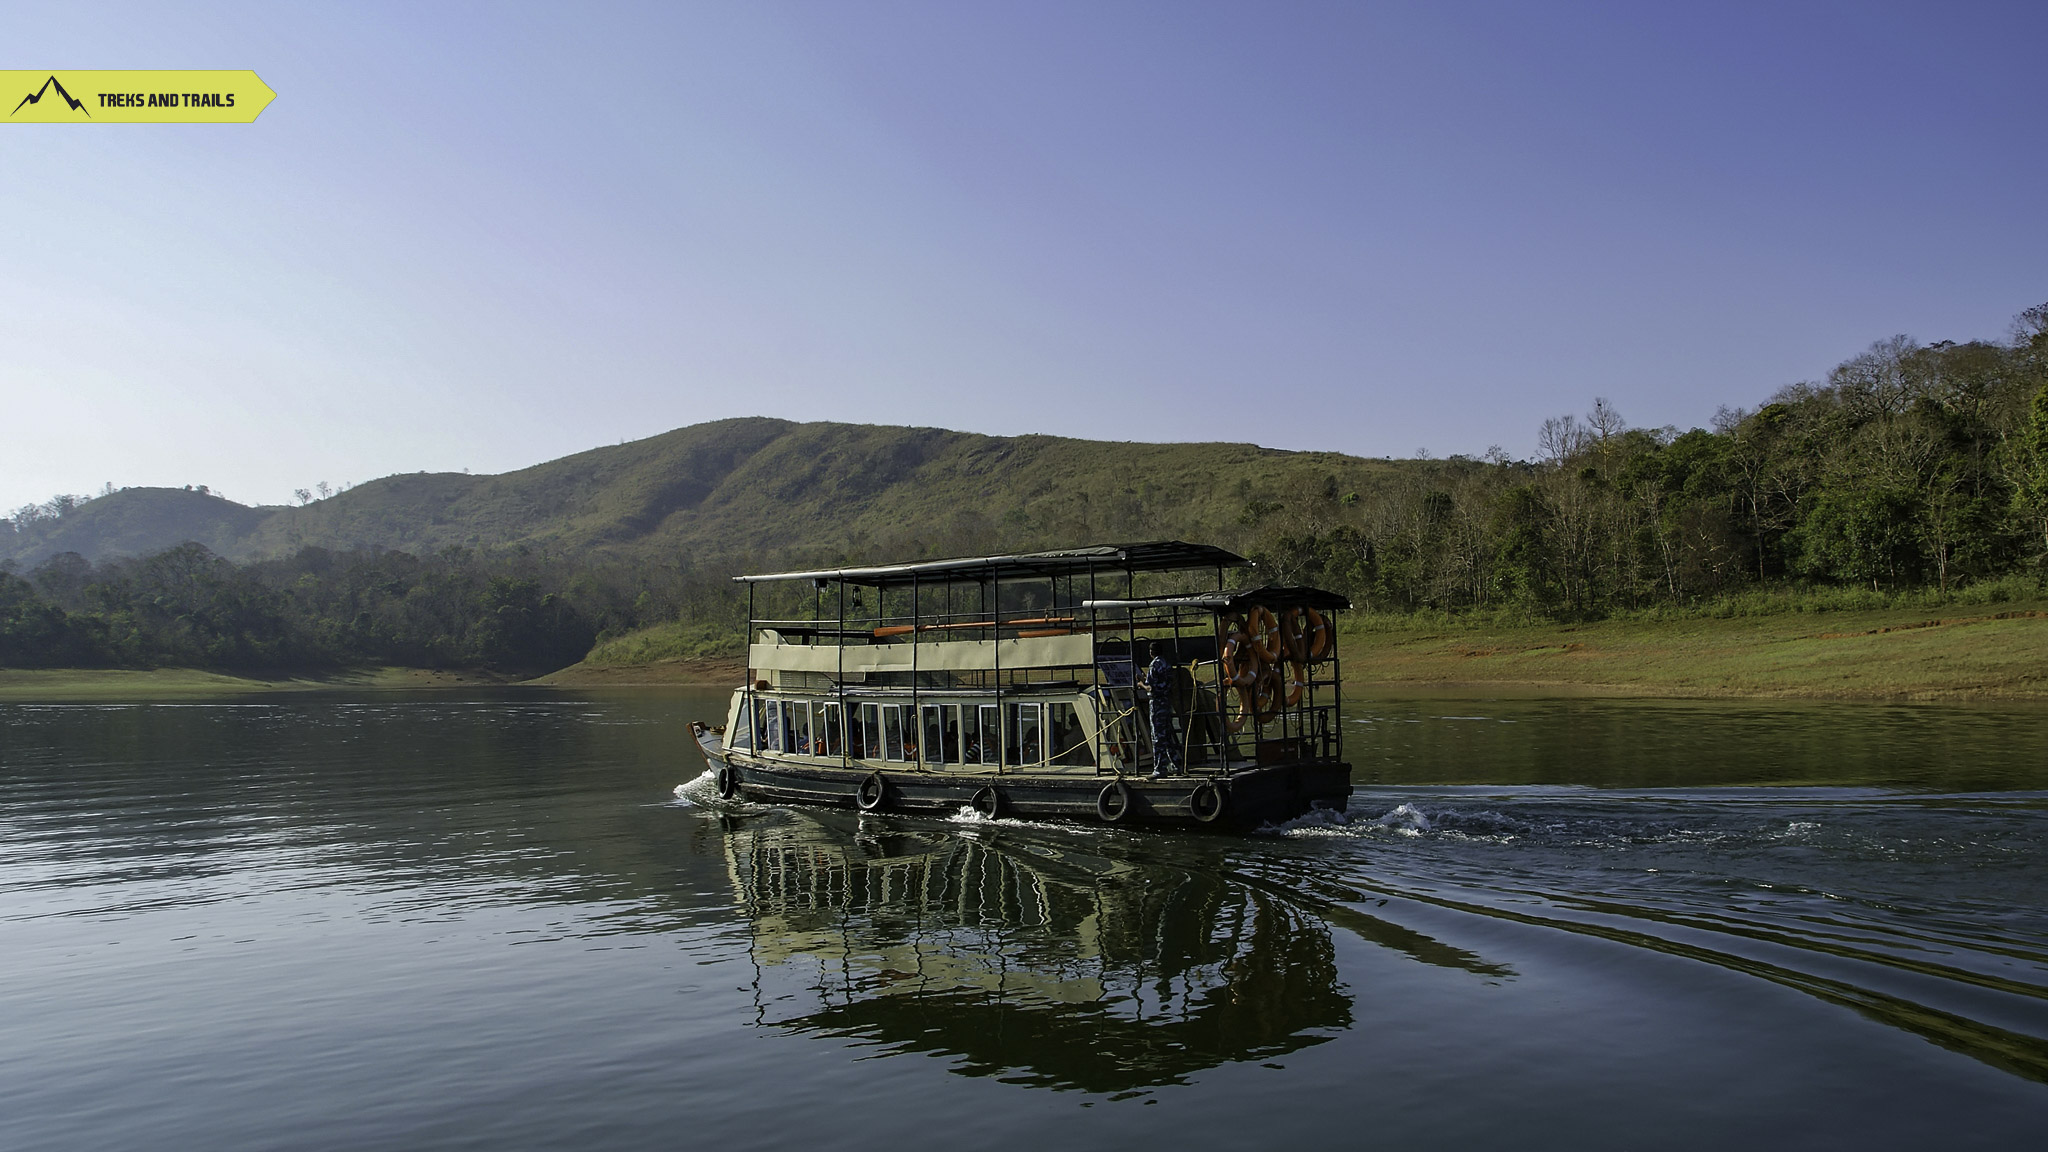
(1403, 820)
(701, 792)
(1406, 819)
(1315, 822)
(968, 814)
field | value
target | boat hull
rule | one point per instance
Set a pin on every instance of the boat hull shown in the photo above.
(1242, 800)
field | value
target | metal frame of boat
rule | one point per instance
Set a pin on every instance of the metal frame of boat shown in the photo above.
(1015, 684)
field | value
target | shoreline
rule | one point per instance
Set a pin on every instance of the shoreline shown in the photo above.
(116, 684)
(697, 672)
(1992, 654)
(109, 684)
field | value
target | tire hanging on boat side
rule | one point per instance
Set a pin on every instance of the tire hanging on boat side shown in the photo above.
(988, 801)
(1208, 802)
(1113, 803)
(728, 780)
(872, 792)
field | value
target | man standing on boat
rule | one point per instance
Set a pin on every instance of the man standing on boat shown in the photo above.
(1165, 746)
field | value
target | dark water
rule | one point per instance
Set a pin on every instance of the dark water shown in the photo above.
(472, 921)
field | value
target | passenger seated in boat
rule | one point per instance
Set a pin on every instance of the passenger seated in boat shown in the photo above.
(1070, 747)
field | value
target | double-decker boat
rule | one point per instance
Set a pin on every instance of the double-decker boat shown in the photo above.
(1121, 683)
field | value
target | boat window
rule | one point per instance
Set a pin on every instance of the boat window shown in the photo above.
(892, 731)
(741, 728)
(828, 724)
(987, 744)
(956, 734)
(797, 721)
(1068, 745)
(870, 732)
(771, 731)
(934, 736)
(1022, 739)
(910, 741)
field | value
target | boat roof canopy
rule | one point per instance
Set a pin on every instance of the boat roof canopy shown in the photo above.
(1152, 556)
(1268, 596)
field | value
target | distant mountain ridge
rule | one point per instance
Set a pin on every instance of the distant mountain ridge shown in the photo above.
(752, 487)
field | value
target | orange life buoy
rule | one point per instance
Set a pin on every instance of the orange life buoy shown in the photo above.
(1257, 701)
(1263, 629)
(1315, 636)
(1296, 681)
(1267, 692)
(1239, 657)
(1293, 628)
(1247, 708)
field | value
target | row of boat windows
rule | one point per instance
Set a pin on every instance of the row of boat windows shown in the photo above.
(1014, 733)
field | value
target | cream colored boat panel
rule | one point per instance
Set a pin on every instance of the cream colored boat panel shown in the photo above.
(944, 656)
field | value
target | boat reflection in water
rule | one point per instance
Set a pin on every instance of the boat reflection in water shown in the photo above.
(1038, 963)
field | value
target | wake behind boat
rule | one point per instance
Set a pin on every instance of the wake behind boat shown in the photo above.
(1119, 684)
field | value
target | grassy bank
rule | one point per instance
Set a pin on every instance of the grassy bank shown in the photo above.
(1840, 647)
(1959, 651)
(718, 672)
(670, 653)
(175, 683)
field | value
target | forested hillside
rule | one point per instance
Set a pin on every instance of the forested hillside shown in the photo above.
(1910, 467)
(750, 487)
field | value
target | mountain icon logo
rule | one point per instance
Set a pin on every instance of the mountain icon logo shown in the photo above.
(36, 97)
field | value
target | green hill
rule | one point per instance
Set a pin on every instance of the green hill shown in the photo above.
(746, 488)
(135, 522)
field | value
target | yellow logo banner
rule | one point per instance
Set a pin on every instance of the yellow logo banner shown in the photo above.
(161, 97)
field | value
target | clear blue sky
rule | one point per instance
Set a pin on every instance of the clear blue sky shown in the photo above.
(482, 236)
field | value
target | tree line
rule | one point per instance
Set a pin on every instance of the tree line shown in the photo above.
(186, 607)
(1910, 467)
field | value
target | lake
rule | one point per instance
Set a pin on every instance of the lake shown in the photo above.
(516, 919)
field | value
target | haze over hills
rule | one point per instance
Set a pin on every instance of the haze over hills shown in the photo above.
(751, 487)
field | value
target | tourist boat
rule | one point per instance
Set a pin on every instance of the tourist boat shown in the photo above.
(1027, 686)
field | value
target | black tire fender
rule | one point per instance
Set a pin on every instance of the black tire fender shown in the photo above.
(1208, 802)
(872, 792)
(1113, 803)
(728, 782)
(988, 801)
